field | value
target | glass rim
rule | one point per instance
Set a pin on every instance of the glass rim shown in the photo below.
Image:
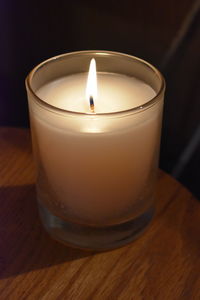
(135, 109)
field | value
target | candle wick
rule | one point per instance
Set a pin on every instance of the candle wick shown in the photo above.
(91, 104)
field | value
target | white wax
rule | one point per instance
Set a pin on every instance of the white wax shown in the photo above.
(94, 168)
(115, 93)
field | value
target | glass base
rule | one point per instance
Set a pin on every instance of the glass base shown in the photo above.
(94, 238)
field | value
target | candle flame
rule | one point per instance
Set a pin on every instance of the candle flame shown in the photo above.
(91, 87)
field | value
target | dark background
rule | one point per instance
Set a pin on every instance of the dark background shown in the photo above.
(165, 33)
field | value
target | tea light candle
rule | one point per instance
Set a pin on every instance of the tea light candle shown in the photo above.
(94, 168)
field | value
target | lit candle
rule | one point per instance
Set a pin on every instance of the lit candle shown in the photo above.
(95, 153)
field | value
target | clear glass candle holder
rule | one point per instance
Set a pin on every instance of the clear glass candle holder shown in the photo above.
(96, 173)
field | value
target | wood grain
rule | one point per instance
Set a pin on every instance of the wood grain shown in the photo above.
(163, 264)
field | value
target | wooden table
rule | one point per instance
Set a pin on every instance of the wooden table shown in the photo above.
(162, 264)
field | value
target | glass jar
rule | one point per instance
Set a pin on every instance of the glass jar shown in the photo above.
(96, 173)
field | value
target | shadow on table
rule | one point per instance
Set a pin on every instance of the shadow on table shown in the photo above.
(24, 245)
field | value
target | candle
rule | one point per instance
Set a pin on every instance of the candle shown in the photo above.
(96, 143)
(97, 168)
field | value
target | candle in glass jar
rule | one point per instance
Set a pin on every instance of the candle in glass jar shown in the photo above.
(94, 166)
